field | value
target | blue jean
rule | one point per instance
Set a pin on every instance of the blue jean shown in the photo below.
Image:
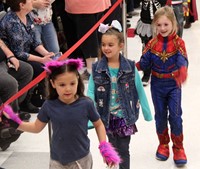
(46, 34)
(166, 98)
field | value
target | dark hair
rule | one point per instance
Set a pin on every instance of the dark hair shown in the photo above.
(111, 31)
(52, 93)
(14, 4)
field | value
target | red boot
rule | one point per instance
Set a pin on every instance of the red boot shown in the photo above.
(178, 150)
(163, 148)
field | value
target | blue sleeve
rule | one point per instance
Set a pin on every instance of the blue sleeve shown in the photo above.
(90, 91)
(142, 97)
(145, 61)
(181, 60)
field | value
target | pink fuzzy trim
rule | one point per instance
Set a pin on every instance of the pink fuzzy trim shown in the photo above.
(76, 62)
(50, 66)
(12, 115)
(8, 109)
(53, 64)
(109, 153)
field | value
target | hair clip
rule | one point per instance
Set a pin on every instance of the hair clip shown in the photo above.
(103, 28)
(50, 66)
(115, 24)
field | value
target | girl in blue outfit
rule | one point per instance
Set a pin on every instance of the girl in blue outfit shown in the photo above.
(69, 112)
(144, 29)
(166, 56)
(116, 88)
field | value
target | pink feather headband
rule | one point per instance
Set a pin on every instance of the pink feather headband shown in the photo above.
(50, 66)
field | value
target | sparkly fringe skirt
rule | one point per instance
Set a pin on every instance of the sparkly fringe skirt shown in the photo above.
(117, 126)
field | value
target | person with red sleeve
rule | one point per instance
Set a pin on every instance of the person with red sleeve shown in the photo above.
(166, 56)
(144, 29)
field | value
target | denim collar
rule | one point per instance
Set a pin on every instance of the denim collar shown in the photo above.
(102, 65)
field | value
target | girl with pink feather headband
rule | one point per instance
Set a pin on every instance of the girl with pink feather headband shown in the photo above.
(69, 111)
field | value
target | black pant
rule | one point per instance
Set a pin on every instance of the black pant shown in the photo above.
(115, 15)
(11, 81)
(122, 146)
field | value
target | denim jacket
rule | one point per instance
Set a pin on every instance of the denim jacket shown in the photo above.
(128, 96)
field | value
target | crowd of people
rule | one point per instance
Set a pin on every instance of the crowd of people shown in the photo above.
(29, 41)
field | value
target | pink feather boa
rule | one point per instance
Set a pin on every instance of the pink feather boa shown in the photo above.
(12, 115)
(109, 153)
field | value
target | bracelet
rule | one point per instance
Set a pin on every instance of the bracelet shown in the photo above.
(8, 59)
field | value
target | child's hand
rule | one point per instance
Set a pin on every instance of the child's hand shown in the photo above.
(181, 78)
(10, 114)
(109, 154)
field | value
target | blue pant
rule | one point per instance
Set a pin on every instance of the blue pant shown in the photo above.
(46, 34)
(166, 98)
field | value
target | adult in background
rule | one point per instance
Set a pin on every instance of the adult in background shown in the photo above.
(45, 31)
(15, 75)
(79, 18)
(18, 32)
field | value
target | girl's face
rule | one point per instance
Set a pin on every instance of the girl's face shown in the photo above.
(66, 86)
(110, 46)
(164, 26)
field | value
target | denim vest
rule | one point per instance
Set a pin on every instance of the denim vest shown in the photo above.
(128, 96)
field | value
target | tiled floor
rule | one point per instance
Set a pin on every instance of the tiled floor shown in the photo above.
(31, 151)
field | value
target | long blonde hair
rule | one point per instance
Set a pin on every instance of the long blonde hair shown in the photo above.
(169, 13)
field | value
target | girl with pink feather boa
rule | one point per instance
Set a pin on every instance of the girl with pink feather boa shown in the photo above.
(69, 111)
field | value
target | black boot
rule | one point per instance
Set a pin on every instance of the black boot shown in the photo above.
(26, 105)
(187, 22)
